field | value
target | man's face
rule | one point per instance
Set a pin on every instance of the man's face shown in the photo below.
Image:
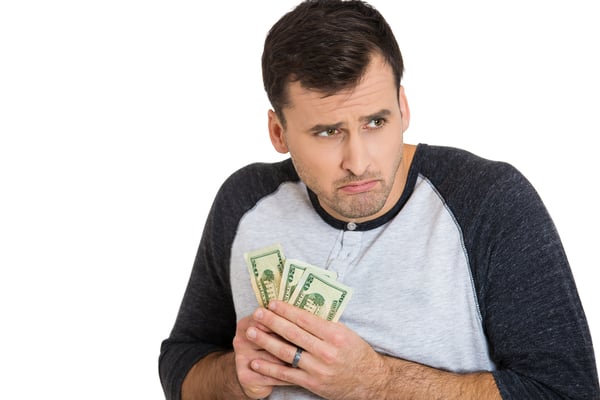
(348, 147)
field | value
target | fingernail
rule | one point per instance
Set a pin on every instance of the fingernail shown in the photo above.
(272, 306)
(258, 314)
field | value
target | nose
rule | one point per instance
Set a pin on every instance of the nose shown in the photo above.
(356, 155)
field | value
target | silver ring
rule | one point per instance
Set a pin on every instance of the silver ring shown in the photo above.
(297, 357)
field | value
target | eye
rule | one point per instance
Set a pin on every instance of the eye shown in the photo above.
(376, 123)
(327, 132)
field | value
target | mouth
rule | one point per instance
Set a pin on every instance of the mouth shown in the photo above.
(359, 187)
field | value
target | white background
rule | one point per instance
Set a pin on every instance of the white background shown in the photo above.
(119, 120)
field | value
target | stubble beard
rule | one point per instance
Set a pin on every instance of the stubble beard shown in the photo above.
(359, 205)
(352, 206)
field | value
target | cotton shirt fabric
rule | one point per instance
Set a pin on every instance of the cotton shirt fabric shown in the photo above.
(466, 273)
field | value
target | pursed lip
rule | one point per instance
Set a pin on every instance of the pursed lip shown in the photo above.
(359, 187)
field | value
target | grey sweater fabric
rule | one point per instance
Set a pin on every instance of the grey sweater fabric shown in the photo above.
(466, 273)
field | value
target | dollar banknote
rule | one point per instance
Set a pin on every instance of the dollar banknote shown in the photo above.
(304, 285)
(265, 266)
(292, 273)
(322, 296)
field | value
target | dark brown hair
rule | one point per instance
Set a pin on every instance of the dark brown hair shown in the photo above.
(326, 45)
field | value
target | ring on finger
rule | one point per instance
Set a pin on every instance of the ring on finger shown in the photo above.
(297, 356)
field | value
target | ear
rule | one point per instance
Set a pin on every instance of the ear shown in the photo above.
(404, 109)
(276, 133)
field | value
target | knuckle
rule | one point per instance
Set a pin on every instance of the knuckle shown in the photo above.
(330, 356)
(286, 353)
(303, 318)
(338, 339)
(292, 334)
(284, 374)
(312, 342)
(237, 341)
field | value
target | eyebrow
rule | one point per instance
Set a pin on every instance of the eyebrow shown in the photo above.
(323, 127)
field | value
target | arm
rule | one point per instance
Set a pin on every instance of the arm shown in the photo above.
(532, 315)
(213, 377)
(227, 375)
(338, 364)
(416, 381)
(206, 321)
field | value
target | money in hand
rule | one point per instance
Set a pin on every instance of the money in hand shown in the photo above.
(321, 296)
(292, 273)
(304, 285)
(265, 267)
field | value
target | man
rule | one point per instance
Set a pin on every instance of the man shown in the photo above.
(461, 288)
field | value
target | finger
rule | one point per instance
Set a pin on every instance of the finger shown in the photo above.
(266, 356)
(252, 380)
(281, 373)
(310, 323)
(297, 357)
(288, 356)
(286, 330)
(247, 350)
(283, 350)
(256, 392)
(261, 327)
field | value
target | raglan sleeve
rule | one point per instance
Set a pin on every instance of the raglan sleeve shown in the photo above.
(533, 317)
(206, 320)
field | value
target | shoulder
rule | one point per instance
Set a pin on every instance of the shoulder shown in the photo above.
(264, 173)
(441, 162)
(250, 183)
(491, 201)
(462, 176)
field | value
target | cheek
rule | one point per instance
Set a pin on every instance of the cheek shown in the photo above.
(317, 161)
(389, 151)
(386, 150)
(390, 142)
(317, 168)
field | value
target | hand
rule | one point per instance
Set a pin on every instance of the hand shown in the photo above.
(335, 364)
(254, 384)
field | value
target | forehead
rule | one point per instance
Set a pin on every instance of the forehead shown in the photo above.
(376, 89)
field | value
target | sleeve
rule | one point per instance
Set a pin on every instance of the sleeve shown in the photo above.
(532, 314)
(206, 320)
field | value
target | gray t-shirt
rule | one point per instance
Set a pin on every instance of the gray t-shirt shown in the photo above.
(466, 273)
